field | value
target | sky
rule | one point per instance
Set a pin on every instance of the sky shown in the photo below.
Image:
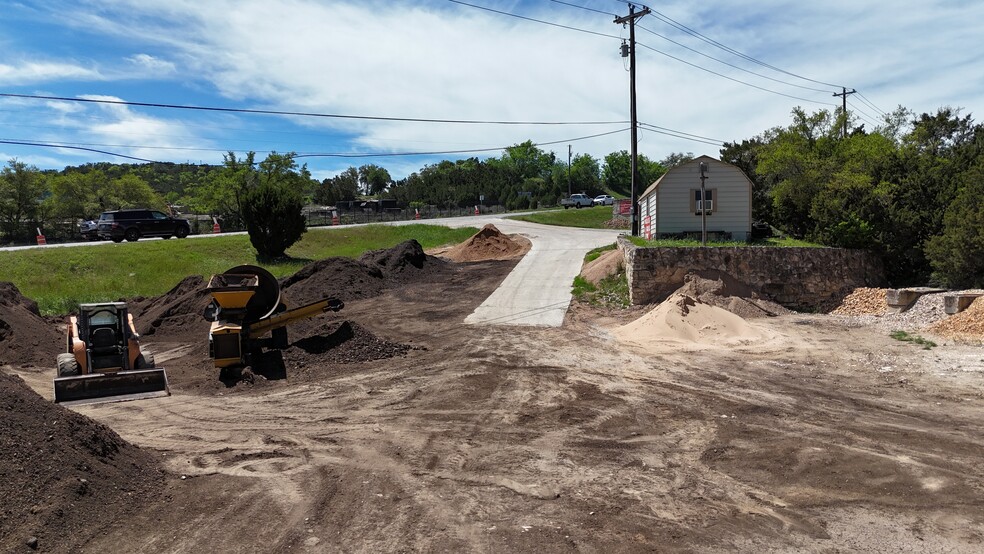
(547, 71)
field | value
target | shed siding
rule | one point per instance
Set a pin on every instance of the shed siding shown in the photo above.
(669, 203)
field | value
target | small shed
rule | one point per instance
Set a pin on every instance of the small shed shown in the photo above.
(673, 205)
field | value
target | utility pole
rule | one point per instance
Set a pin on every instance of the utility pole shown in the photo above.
(843, 93)
(569, 170)
(630, 52)
(703, 205)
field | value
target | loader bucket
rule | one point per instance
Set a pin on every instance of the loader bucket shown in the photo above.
(111, 387)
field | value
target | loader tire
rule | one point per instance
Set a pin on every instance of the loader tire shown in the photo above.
(68, 366)
(145, 361)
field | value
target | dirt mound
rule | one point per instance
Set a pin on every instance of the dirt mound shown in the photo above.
(488, 244)
(863, 301)
(606, 265)
(26, 339)
(685, 318)
(340, 342)
(968, 324)
(174, 313)
(63, 477)
(406, 262)
(720, 289)
(342, 278)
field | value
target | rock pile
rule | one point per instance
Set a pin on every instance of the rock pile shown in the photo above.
(968, 324)
(863, 301)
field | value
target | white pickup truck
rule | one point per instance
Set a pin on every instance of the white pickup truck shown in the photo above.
(577, 201)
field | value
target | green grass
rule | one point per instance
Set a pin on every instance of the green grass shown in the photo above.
(612, 291)
(682, 243)
(59, 279)
(915, 339)
(593, 255)
(590, 218)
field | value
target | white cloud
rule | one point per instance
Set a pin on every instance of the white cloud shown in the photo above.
(154, 66)
(434, 59)
(34, 72)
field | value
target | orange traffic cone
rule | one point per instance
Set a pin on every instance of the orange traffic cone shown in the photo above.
(335, 220)
(41, 240)
(215, 226)
(476, 210)
(416, 213)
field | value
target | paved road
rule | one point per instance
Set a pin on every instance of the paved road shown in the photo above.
(537, 292)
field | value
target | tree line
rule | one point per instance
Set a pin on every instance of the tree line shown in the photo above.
(910, 189)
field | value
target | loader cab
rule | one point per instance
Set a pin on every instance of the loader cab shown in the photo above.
(107, 327)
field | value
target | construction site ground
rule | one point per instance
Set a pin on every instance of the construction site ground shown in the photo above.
(393, 427)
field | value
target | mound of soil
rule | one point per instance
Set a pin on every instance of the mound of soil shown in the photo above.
(720, 289)
(340, 342)
(488, 244)
(606, 265)
(63, 477)
(174, 313)
(26, 339)
(369, 276)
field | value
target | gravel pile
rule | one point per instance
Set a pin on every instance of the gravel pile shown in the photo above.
(863, 301)
(968, 324)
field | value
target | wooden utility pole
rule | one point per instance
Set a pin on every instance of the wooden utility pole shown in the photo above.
(631, 19)
(843, 93)
(569, 151)
(703, 204)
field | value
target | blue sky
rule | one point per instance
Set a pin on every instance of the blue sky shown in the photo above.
(438, 59)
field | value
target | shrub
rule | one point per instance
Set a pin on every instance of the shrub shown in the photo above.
(273, 219)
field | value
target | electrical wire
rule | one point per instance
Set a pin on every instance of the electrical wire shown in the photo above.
(864, 99)
(500, 12)
(300, 114)
(674, 134)
(585, 8)
(44, 145)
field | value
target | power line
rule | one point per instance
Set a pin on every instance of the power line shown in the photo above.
(552, 24)
(698, 52)
(301, 114)
(43, 145)
(680, 26)
(681, 134)
(681, 60)
(585, 8)
(864, 99)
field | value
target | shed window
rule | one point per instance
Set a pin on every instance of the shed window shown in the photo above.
(708, 203)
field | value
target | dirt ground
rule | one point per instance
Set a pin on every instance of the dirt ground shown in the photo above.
(396, 428)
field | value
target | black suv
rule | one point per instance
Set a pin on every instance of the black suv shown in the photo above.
(133, 224)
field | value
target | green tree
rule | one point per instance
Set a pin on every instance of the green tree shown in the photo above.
(22, 188)
(342, 187)
(272, 210)
(585, 175)
(374, 179)
(616, 174)
(957, 254)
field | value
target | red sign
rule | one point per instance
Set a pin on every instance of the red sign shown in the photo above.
(623, 206)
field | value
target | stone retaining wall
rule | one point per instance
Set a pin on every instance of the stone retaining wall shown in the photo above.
(798, 278)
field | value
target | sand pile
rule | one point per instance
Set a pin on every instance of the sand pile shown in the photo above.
(64, 477)
(968, 324)
(611, 262)
(720, 289)
(682, 317)
(488, 244)
(26, 339)
(863, 301)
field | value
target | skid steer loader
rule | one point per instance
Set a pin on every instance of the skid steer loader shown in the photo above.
(104, 362)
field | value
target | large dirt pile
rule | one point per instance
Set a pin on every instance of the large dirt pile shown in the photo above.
(487, 244)
(863, 301)
(64, 477)
(26, 339)
(968, 324)
(175, 312)
(366, 277)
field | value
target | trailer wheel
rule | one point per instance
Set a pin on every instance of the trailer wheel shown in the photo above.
(68, 366)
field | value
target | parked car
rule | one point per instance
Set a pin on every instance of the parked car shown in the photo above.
(134, 224)
(89, 229)
(603, 200)
(576, 201)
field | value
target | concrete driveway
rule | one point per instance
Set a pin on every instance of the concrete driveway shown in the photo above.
(538, 291)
